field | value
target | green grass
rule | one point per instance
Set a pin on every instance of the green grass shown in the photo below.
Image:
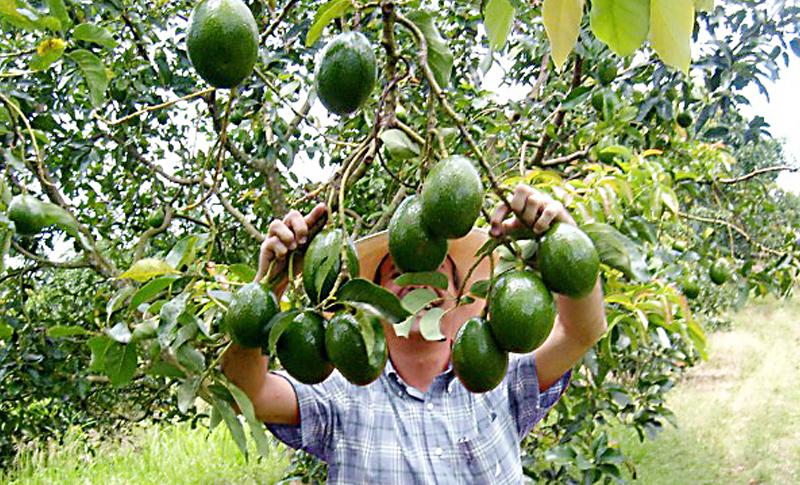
(738, 413)
(154, 454)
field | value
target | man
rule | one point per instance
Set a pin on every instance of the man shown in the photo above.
(417, 423)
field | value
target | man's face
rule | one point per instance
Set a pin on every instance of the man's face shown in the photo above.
(388, 275)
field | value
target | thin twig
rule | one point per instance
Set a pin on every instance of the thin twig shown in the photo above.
(47, 262)
(760, 171)
(277, 21)
(736, 228)
(437, 90)
(156, 107)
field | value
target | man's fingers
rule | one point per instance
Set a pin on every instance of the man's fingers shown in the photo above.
(316, 213)
(546, 218)
(496, 221)
(282, 233)
(520, 199)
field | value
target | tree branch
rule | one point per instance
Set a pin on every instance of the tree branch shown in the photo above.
(758, 172)
(564, 159)
(546, 139)
(277, 21)
(268, 168)
(437, 90)
(734, 227)
(46, 262)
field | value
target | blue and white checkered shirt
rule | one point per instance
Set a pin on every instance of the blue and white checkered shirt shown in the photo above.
(390, 433)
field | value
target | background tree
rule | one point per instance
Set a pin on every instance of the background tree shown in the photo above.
(156, 190)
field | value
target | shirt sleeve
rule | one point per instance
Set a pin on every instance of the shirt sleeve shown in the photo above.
(316, 406)
(528, 405)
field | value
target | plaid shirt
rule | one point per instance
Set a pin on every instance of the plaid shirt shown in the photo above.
(390, 433)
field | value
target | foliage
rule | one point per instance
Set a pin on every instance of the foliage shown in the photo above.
(105, 317)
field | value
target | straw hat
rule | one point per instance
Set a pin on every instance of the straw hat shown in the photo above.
(373, 248)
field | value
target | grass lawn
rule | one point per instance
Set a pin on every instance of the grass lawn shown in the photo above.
(155, 454)
(738, 413)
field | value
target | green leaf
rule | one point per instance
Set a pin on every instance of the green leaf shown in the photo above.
(234, 425)
(47, 52)
(61, 331)
(148, 268)
(9, 12)
(191, 358)
(429, 325)
(278, 324)
(670, 199)
(120, 333)
(324, 16)
(94, 33)
(186, 394)
(256, 426)
(479, 289)
(94, 72)
(618, 250)
(243, 272)
(6, 331)
(150, 290)
(403, 329)
(54, 214)
(399, 145)
(57, 9)
(562, 22)
(440, 57)
(359, 290)
(98, 346)
(418, 299)
(216, 418)
(433, 279)
(169, 318)
(165, 369)
(498, 18)
(120, 363)
(561, 453)
(6, 237)
(48, 22)
(145, 330)
(576, 97)
(622, 24)
(183, 252)
(116, 301)
(671, 24)
(704, 5)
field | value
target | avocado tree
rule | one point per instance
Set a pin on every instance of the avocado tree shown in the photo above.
(135, 195)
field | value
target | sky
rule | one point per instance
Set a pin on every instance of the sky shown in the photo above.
(782, 112)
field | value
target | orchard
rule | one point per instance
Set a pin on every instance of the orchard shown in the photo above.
(147, 147)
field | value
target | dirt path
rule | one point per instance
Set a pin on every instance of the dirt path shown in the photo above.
(739, 412)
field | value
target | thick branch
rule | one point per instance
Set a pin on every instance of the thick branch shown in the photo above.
(383, 222)
(138, 252)
(546, 139)
(392, 57)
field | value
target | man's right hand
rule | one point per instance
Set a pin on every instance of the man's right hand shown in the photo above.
(273, 397)
(284, 236)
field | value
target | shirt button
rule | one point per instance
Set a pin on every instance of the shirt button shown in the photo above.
(439, 451)
(430, 406)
